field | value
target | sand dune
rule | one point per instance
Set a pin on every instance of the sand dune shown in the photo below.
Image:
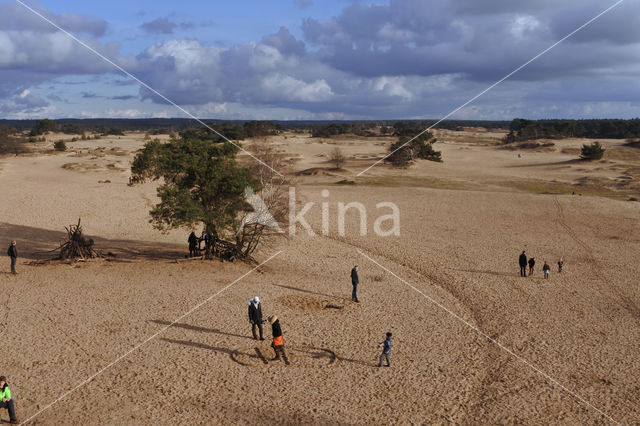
(463, 224)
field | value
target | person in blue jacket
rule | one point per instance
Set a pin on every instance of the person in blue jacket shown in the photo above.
(386, 350)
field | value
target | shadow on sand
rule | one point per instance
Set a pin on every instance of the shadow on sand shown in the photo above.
(40, 244)
(200, 346)
(479, 271)
(312, 292)
(201, 329)
(551, 163)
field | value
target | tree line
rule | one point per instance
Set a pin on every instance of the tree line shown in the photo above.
(523, 130)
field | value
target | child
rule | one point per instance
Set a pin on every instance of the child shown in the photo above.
(386, 350)
(278, 341)
(560, 263)
(7, 402)
(532, 263)
(546, 269)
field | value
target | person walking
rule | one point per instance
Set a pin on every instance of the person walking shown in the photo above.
(7, 401)
(193, 244)
(255, 317)
(278, 340)
(532, 263)
(560, 264)
(354, 282)
(13, 254)
(386, 350)
(522, 260)
(546, 269)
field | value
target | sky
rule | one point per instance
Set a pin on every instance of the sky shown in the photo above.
(320, 59)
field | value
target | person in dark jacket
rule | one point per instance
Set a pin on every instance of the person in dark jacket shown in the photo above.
(532, 263)
(13, 254)
(354, 282)
(193, 244)
(255, 317)
(278, 340)
(522, 260)
(204, 238)
(7, 401)
(386, 350)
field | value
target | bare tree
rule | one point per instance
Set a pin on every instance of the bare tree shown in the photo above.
(269, 204)
(337, 157)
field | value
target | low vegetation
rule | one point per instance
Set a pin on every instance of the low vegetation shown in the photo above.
(413, 143)
(10, 144)
(60, 145)
(633, 143)
(594, 151)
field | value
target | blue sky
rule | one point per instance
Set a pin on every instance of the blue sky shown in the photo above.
(312, 59)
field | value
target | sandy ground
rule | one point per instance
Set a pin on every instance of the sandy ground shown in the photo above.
(574, 339)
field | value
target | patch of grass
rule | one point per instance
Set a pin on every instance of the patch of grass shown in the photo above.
(420, 182)
(632, 143)
(346, 182)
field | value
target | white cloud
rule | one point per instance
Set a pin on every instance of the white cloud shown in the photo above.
(523, 24)
(290, 89)
(124, 113)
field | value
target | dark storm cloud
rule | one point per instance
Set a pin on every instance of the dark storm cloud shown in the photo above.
(159, 26)
(15, 17)
(414, 38)
(619, 28)
(285, 42)
(123, 97)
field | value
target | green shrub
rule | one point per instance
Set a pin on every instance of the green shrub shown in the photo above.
(60, 145)
(595, 151)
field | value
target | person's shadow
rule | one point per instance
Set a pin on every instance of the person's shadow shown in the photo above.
(311, 292)
(200, 329)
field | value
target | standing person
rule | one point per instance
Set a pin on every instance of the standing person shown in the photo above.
(546, 269)
(278, 340)
(522, 260)
(7, 402)
(206, 238)
(532, 263)
(560, 264)
(354, 282)
(193, 242)
(386, 350)
(255, 317)
(13, 254)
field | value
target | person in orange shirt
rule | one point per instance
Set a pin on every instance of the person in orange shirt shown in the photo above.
(278, 340)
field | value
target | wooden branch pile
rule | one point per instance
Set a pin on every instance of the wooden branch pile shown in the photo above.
(76, 246)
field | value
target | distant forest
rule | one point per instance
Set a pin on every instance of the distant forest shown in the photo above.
(519, 129)
(523, 130)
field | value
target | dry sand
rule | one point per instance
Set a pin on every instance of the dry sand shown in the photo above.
(463, 224)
